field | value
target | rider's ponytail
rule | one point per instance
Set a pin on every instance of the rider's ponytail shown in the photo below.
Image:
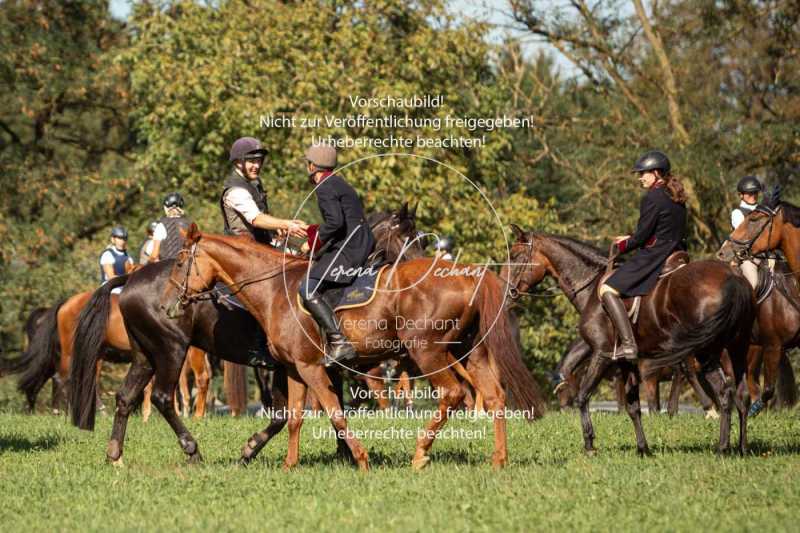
(675, 189)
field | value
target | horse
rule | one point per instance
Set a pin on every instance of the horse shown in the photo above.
(773, 225)
(574, 362)
(160, 344)
(267, 283)
(699, 309)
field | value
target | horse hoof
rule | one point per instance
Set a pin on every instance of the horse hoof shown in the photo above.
(288, 467)
(712, 414)
(195, 459)
(645, 452)
(420, 463)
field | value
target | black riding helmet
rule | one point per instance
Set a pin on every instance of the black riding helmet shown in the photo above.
(652, 160)
(173, 199)
(120, 233)
(749, 184)
(247, 148)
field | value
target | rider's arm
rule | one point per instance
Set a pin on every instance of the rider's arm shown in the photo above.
(332, 215)
(648, 217)
(107, 264)
(241, 201)
(737, 217)
(159, 234)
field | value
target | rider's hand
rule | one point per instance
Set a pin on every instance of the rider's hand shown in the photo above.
(297, 228)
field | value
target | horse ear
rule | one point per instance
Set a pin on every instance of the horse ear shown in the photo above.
(518, 232)
(413, 213)
(191, 234)
(403, 213)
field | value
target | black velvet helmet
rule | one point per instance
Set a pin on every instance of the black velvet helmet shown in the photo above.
(749, 184)
(652, 160)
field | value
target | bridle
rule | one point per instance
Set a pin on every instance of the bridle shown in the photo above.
(743, 249)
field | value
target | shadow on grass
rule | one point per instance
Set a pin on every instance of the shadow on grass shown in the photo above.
(16, 443)
(755, 447)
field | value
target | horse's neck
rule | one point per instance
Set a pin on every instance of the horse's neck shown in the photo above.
(790, 246)
(561, 260)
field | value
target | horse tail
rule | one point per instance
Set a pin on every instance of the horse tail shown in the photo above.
(499, 330)
(235, 384)
(787, 385)
(89, 342)
(38, 362)
(732, 318)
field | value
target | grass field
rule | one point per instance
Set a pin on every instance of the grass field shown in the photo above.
(53, 476)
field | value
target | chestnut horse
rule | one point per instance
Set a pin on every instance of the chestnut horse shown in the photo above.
(771, 226)
(443, 309)
(699, 309)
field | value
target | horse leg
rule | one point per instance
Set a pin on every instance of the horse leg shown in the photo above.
(202, 377)
(702, 396)
(146, 404)
(127, 398)
(771, 358)
(404, 384)
(183, 386)
(317, 379)
(375, 385)
(633, 407)
(451, 393)
(754, 358)
(494, 399)
(100, 406)
(163, 394)
(597, 367)
(296, 403)
(619, 388)
(738, 363)
(675, 391)
(723, 388)
(278, 418)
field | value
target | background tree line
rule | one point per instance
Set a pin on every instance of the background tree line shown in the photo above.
(100, 118)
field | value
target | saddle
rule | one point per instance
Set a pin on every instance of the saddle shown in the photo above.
(674, 262)
(766, 281)
(358, 294)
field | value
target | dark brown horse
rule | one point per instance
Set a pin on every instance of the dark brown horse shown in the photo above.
(459, 303)
(775, 225)
(697, 310)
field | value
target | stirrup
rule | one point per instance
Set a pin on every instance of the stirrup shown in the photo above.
(342, 350)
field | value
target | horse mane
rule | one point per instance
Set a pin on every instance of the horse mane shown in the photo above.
(791, 214)
(590, 253)
(243, 243)
(590, 258)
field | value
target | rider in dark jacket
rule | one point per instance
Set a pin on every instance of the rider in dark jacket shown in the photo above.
(661, 230)
(344, 240)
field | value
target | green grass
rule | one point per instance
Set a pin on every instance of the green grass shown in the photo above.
(53, 476)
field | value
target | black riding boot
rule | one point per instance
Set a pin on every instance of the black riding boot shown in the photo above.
(337, 347)
(619, 316)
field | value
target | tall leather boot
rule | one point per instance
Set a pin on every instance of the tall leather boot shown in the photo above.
(337, 348)
(619, 316)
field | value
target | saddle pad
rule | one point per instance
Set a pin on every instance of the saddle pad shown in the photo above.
(358, 294)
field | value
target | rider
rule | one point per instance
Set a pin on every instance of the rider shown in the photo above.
(147, 246)
(243, 201)
(115, 261)
(167, 238)
(346, 241)
(660, 231)
(748, 188)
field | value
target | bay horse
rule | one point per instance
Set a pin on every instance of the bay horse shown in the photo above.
(267, 283)
(160, 344)
(774, 225)
(699, 310)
